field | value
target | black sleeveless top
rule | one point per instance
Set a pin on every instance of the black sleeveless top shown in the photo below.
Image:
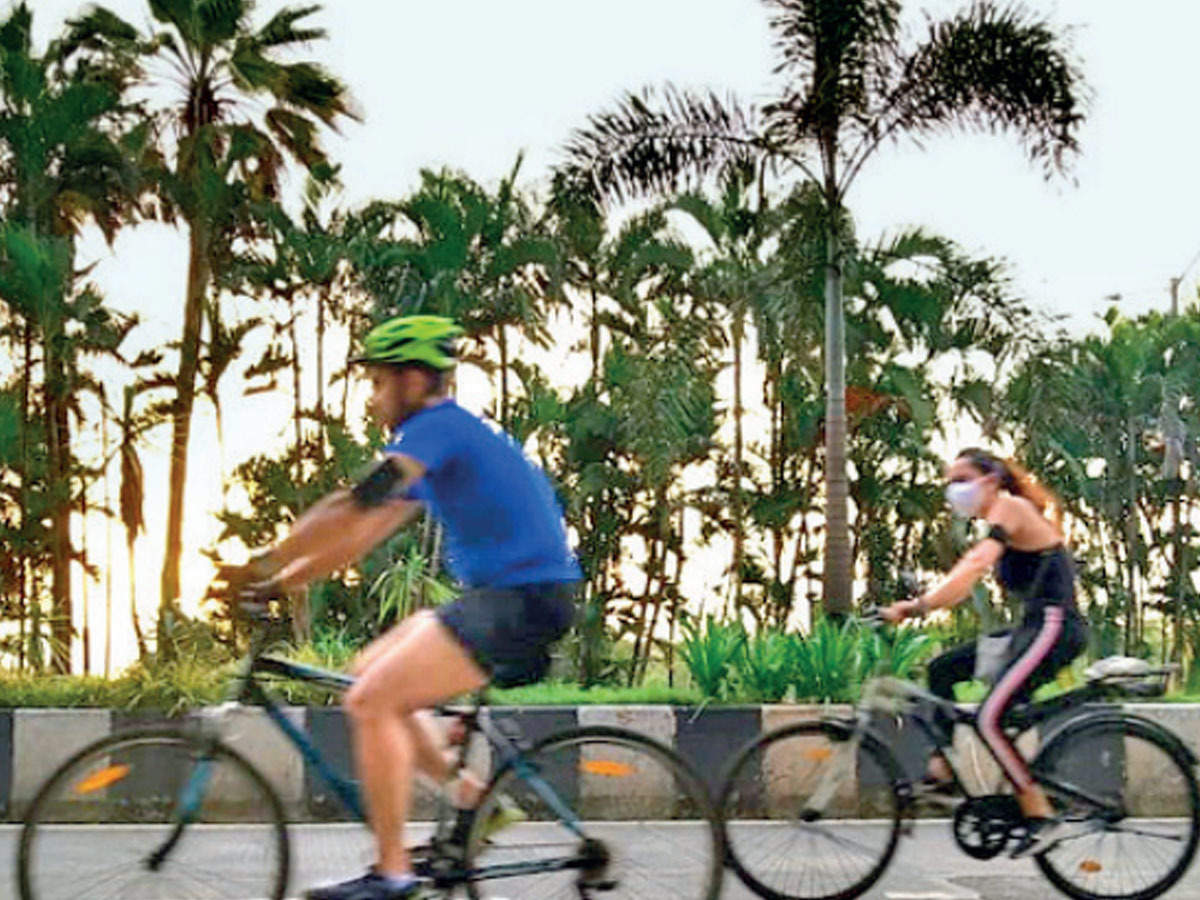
(1040, 578)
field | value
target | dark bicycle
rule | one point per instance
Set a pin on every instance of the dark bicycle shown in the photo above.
(177, 813)
(814, 810)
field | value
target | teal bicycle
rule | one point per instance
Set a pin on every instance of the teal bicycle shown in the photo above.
(176, 812)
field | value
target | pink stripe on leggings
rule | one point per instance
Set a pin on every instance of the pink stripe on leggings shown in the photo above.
(993, 705)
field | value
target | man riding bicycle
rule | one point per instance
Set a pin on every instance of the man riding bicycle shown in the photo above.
(505, 541)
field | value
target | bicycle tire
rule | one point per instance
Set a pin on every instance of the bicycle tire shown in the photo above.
(70, 850)
(768, 783)
(634, 797)
(1094, 751)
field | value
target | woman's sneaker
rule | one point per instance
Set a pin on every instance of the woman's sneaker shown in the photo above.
(936, 793)
(1042, 835)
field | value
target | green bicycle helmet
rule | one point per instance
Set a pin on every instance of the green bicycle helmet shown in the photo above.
(428, 340)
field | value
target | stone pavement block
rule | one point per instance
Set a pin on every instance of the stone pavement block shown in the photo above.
(793, 767)
(1096, 764)
(657, 722)
(777, 715)
(708, 738)
(529, 724)
(764, 787)
(45, 738)
(254, 736)
(618, 783)
(330, 736)
(1154, 786)
(6, 761)
(977, 767)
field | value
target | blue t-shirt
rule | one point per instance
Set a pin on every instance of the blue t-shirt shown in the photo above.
(504, 526)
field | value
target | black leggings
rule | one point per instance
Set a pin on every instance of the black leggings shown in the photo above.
(1039, 647)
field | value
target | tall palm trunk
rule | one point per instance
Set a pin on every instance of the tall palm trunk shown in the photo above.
(321, 300)
(108, 560)
(594, 338)
(23, 568)
(502, 343)
(185, 395)
(139, 636)
(297, 406)
(85, 623)
(1133, 620)
(838, 584)
(58, 447)
(739, 525)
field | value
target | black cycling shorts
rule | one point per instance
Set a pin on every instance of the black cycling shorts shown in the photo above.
(509, 631)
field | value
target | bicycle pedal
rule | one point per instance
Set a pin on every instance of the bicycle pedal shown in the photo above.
(607, 885)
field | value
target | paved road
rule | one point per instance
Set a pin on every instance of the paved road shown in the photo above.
(928, 866)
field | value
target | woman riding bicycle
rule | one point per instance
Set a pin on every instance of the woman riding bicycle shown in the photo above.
(1025, 545)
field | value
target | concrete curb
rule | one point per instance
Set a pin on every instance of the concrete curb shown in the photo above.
(33, 742)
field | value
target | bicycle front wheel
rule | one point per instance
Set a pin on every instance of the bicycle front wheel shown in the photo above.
(154, 814)
(1128, 800)
(810, 813)
(605, 812)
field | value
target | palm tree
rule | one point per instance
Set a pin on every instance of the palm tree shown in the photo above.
(223, 157)
(481, 258)
(854, 83)
(1122, 398)
(60, 151)
(132, 494)
(737, 228)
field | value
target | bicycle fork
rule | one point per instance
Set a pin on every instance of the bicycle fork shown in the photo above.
(190, 798)
(843, 764)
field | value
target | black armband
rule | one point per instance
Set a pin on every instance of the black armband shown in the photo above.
(997, 533)
(376, 485)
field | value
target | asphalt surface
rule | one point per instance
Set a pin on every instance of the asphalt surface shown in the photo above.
(927, 866)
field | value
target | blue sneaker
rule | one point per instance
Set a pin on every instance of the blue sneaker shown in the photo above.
(371, 886)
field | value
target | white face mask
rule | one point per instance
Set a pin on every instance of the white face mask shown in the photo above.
(965, 497)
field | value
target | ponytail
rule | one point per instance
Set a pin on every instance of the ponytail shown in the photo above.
(1019, 482)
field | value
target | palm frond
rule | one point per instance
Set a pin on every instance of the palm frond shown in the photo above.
(837, 55)
(994, 68)
(662, 140)
(281, 29)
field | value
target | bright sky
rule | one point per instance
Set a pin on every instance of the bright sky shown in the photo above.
(470, 83)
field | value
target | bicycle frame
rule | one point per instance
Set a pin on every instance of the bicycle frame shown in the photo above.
(247, 690)
(894, 696)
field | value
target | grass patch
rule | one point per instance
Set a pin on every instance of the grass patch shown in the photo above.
(558, 693)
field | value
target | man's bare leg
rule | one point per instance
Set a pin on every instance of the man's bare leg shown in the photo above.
(395, 685)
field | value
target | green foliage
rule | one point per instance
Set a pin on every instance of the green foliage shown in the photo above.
(407, 585)
(827, 664)
(893, 651)
(709, 652)
(766, 666)
(550, 693)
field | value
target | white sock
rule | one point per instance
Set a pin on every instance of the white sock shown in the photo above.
(398, 882)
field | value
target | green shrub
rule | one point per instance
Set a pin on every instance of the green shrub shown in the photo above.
(709, 654)
(827, 663)
(892, 651)
(766, 666)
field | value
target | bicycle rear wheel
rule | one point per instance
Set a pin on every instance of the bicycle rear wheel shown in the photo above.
(1136, 834)
(646, 827)
(106, 825)
(811, 814)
